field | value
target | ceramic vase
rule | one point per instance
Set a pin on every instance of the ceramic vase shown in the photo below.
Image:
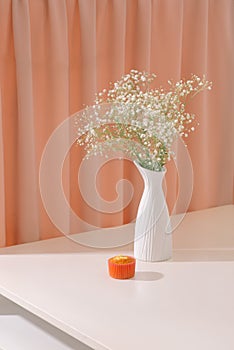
(153, 238)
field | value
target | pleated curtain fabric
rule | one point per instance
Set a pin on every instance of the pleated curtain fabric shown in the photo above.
(54, 57)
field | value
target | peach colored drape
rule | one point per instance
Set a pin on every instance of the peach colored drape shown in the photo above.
(54, 56)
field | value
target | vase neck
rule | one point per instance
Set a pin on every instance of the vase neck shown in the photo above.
(151, 175)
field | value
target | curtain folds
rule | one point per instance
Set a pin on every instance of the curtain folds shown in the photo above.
(54, 57)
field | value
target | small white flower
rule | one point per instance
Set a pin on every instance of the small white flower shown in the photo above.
(156, 116)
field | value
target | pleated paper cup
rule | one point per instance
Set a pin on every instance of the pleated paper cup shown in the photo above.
(122, 267)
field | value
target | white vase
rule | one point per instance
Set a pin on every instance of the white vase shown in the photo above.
(153, 238)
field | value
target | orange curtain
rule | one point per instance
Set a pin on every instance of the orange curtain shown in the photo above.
(54, 56)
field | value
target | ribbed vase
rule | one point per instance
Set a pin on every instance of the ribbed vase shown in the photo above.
(153, 238)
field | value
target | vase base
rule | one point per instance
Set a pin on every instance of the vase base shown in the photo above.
(153, 260)
(159, 250)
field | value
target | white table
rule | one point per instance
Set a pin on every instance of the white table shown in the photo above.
(21, 330)
(185, 303)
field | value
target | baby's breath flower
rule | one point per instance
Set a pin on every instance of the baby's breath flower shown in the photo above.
(142, 122)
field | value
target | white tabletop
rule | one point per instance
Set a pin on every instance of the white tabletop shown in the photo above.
(21, 330)
(186, 303)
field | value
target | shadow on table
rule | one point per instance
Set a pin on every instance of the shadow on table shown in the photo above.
(147, 276)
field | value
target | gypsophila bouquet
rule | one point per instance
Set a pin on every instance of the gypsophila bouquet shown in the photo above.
(138, 120)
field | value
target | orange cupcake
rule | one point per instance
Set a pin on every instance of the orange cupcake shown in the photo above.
(122, 267)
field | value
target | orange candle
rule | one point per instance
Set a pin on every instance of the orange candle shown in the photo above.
(122, 267)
